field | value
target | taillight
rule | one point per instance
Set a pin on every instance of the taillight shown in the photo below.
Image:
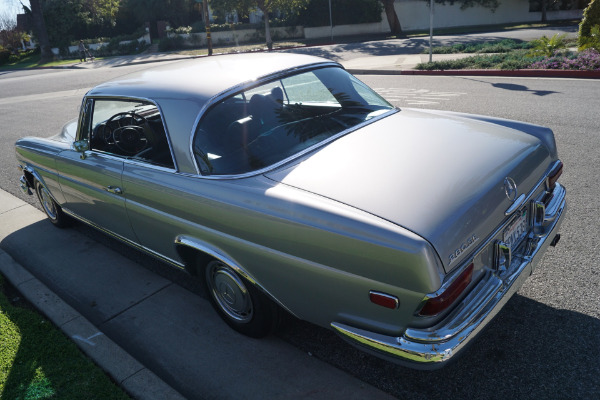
(554, 175)
(436, 305)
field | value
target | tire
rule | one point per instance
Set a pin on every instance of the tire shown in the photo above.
(53, 211)
(242, 306)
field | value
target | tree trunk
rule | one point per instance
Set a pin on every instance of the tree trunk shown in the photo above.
(392, 17)
(207, 25)
(263, 8)
(544, 6)
(40, 31)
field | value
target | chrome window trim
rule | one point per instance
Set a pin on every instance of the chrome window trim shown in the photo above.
(297, 155)
(260, 81)
(146, 164)
(81, 119)
(134, 98)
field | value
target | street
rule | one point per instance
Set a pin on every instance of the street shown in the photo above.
(544, 344)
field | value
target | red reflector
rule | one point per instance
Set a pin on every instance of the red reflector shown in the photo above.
(384, 300)
(554, 175)
(436, 305)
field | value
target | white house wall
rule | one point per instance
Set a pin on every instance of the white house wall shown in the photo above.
(414, 14)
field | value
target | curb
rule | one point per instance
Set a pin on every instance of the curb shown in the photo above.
(525, 73)
(135, 379)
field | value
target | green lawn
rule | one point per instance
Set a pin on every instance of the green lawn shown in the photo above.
(33, 61)
(37, 361)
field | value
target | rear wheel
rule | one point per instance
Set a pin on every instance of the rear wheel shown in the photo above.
(238, 303)
(53, 211)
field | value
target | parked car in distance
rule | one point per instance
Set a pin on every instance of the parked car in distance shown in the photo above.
(287, 185)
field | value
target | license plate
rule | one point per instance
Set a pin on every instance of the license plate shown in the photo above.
(516, 230)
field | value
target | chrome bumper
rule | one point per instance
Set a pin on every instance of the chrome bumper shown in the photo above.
(24, 185)
(432, 348)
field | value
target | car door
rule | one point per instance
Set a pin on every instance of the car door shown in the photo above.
(91, 178)
(153, 195)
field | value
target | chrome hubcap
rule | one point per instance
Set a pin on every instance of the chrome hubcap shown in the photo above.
(47, 203)
(229, 291)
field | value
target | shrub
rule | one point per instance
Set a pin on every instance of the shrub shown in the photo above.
(4, 56)
(114, 48)
(182, 30)
(592, 41)
(171, 43)
(545, 46)
(587, 60)
(501, 46)
(591, 17)
(515, 60)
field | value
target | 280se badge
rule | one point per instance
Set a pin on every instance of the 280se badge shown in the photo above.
(287, 185)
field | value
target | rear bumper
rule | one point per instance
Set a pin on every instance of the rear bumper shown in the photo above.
(432, 348)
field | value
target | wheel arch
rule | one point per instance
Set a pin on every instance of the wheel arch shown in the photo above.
(32, 176)
(191, 249)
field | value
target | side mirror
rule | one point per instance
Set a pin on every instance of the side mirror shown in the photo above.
(81, 146)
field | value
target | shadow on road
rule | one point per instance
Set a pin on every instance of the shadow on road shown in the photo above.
(529, 351)
(514, 87)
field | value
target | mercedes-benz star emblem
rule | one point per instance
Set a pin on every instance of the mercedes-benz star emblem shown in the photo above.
(510, 188)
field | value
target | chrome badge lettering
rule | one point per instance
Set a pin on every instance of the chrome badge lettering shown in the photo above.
(463, 247)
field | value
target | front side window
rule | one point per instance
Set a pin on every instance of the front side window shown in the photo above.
(269, 123)
(129, 128)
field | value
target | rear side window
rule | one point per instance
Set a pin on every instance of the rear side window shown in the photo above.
(274, 121)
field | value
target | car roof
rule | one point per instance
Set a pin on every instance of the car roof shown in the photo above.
(202, 78)
(183, 89)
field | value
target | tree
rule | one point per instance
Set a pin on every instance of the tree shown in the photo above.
(266, 6)
(102, 12)
(10, 37)
(591, 18)
(392, 17)
(177, 12)
(39, 26)
(544, 7)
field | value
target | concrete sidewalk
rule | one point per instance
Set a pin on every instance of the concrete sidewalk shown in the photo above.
(154, 338)
(389, 56)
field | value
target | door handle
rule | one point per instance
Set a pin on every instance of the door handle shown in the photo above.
(114, 189)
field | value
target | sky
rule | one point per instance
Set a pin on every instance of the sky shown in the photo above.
(11, 8)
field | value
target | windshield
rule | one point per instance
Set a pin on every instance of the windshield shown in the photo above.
(269, 123)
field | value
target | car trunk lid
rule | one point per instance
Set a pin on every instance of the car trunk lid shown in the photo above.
(441, 177)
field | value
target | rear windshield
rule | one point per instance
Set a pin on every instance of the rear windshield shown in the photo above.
(261, 126)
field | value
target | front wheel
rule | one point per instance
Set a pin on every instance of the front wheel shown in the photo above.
(238, 303)
(53, 211)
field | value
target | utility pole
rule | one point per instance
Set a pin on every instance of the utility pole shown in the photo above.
(430, 28)
(331, 21)
(207, 24)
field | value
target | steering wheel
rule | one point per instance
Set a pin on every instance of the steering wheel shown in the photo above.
(129, 132)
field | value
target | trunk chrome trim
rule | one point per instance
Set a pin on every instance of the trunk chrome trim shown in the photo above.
(432, 348)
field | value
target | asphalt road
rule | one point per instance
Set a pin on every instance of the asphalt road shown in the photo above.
(545, 344)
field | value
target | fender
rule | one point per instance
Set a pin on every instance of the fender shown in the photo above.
(184, 243)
